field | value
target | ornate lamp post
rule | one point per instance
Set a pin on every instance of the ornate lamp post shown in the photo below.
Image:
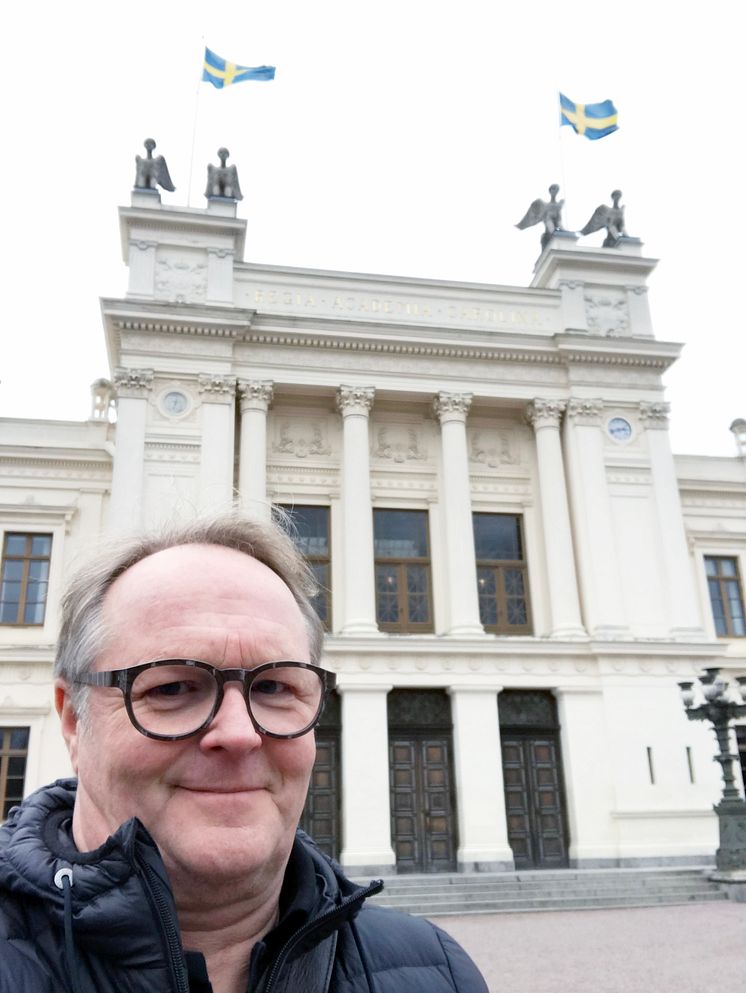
(720, 706)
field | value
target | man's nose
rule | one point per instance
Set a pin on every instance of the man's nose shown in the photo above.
(231, 727)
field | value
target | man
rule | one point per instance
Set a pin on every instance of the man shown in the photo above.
(188, 687)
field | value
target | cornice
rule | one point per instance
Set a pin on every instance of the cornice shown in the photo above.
(404, 347)
(166, 318)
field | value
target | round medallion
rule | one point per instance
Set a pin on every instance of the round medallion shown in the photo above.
(619, 429)
(174, 403)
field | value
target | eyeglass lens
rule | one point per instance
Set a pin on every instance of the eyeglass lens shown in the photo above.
(178, 699)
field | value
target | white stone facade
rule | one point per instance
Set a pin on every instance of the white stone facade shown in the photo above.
(254, 384)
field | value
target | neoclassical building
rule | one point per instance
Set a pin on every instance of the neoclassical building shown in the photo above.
(515, 570)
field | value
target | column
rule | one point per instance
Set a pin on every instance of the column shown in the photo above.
(595, 542)
(217, 453)
(589, 776)
(564, 605)
(683, 607)
(480, 793)
(366, 803)
(255, 398)
(132, 387)
(354, 404)
(460, 561)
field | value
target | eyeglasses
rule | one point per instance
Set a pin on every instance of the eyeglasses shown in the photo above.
(176, 698)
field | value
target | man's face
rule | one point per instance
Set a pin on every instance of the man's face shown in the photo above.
(226, 800)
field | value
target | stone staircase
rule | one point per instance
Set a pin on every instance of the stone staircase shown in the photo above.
(565, 889)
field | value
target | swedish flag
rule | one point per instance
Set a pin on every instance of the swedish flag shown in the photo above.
(593, 120)
(221, 73)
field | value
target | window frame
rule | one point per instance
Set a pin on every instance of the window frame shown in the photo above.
(498, 567)
(721, 579)
(404, 625)
(7, 753)
(326, 560)
(27, 558)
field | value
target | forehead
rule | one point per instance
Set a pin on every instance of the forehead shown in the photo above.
(202, 601)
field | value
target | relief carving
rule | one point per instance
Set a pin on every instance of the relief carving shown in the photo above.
(398, 443)
(180, 281)
(302, 438)
(607, 315)
(493, 448)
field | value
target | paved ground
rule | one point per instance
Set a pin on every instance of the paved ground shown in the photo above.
(694, 948)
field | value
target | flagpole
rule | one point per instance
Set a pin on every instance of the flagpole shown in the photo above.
(194, 131)
(563, 180)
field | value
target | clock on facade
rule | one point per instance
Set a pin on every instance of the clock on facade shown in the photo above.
(619, 429)
(174, 403)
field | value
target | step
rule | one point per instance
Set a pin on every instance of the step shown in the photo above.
(572, 903)
(570, 889)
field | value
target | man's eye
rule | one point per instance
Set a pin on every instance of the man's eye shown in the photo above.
(170, 689)
(270, 687)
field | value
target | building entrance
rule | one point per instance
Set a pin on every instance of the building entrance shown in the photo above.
(423, 822)
(532, 773)
(321, 814)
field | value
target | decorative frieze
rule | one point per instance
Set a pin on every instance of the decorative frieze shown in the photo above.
(255, 394)
(655, 414)
(588, 412)
(134, 383)
(545, 413)
(216, 389)
(355, 400)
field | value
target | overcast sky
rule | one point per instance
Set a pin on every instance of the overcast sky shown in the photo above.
(403, 137)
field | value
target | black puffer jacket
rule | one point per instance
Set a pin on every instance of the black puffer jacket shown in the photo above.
(114, 930)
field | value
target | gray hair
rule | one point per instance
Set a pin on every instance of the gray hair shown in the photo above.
(83, 631)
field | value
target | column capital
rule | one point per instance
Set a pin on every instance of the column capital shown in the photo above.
(452, 406)
(355, 400)
(655, 415)
(132, 382)
(255, 394)
(216, 389)
(585, 411)
(545, 413)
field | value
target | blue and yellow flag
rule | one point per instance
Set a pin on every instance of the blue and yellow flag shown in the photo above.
(221, 73)
(594, 120)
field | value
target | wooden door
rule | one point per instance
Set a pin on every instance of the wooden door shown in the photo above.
(534, 800)
(422, 810)
(320, 816)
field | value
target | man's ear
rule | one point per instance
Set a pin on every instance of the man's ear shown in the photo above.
(69, 723)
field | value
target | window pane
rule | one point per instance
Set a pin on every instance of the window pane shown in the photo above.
(13, 570)
(15, 544)
(711, 567)
(513, 582)
(41, 545)
(38, 569)
(311, 534)
(19, 737)
(497, 536)
(8, 612)
(387, 594)
(33, 613)
(400, 534)
(727, 567)
(321, 600)
(487, 588)
(418, 605)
